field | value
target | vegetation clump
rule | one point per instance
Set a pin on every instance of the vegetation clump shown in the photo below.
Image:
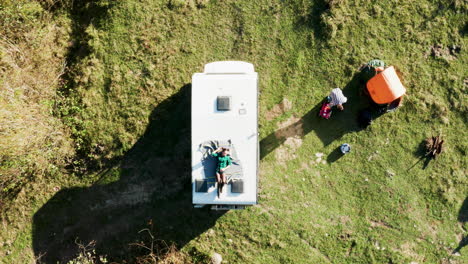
(434, 146)
(34, 142)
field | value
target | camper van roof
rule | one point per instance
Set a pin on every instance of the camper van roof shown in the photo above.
(229, 67)
(233, 120)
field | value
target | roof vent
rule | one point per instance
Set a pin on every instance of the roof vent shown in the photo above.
(223, 103)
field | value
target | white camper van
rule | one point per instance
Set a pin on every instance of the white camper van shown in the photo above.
(224, 114)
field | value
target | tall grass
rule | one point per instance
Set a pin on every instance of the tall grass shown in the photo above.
(33, 142)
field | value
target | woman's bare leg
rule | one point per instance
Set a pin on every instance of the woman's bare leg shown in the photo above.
(218, 178)
(224, 178)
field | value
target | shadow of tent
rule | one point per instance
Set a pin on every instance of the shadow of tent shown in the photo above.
(340, 123)
(463, 219)
(151, 183)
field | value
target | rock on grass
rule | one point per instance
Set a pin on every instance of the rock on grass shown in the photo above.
(216, 258)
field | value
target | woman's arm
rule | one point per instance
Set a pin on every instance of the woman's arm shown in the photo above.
(215, 153)
(218, 150)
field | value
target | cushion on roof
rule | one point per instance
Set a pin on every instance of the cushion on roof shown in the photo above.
(237, 186)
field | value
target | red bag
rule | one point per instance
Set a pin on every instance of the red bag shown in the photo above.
(325, 110)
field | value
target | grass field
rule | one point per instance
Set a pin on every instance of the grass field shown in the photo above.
(123, 103)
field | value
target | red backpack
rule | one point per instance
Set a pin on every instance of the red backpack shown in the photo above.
(325, 110)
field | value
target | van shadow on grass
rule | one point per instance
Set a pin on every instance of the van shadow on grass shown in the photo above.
(339, 124)
(151, 184)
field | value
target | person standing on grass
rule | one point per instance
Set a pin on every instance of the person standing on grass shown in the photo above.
(337, 98)
(224, 161)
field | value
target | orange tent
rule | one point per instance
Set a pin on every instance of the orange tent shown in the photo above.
(385, 86)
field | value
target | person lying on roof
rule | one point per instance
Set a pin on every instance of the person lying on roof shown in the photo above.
(337, 98)
(224, 161)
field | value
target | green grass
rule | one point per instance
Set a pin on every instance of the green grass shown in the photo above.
(375, 205)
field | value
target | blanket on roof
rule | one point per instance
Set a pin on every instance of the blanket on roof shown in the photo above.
(209, 162)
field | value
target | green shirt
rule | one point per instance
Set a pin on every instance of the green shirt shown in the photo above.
(223, 162)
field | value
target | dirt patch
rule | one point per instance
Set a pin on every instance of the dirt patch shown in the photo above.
(279, 109)
(267, 210)
(293, 142)
(304, 167)
(446, 52)
(431, 230)
(373, 155)
(319, 159)
(292, 127)
(284, 154)
(291, 132)
(408, 249)
(323, 257)
(380, 224)
(344, 219)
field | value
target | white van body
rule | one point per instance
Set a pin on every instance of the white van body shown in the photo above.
(238, 82)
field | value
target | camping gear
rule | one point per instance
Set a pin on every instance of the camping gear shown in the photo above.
(394, 105)
(376, 63)
(385, 87)
(345, 148)
(371, 68)
(365, 118)
(325, 109)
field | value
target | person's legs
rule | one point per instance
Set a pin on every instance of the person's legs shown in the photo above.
(223, 175)
(218, 178)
